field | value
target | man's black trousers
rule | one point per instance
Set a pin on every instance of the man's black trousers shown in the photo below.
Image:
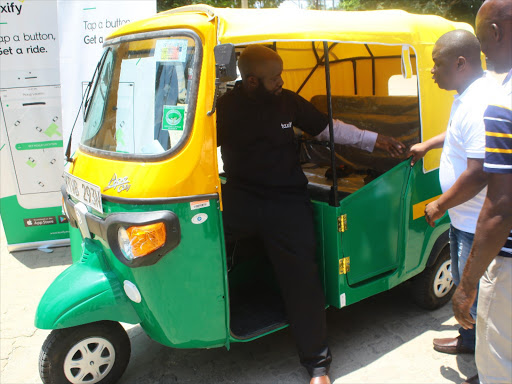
(284, 223)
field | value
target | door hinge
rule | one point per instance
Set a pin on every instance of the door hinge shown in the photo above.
(344, 265)
(342, 223)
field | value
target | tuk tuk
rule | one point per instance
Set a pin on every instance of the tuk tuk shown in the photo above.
(143, 191)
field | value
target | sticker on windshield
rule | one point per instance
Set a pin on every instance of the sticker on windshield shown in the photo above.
(173, 118)
(171, 50)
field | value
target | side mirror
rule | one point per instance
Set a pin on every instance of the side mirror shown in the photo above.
(225, 62)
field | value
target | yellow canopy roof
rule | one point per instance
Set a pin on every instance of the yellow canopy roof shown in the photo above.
(241, 26)
(384, 33)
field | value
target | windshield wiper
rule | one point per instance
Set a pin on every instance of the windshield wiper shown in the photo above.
(86, 97)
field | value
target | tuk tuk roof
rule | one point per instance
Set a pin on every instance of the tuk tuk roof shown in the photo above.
(240, 26)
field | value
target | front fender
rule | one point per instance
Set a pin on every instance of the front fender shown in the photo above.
(85, 292)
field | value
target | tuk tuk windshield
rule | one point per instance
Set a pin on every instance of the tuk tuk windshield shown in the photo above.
(144, 96)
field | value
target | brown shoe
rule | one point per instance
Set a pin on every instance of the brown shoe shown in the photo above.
(320, 380)
(452, 345)
(472, 380)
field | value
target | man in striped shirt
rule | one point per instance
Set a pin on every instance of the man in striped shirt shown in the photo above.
(490, 259)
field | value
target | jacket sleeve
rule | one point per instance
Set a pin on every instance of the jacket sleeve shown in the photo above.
(350, 135)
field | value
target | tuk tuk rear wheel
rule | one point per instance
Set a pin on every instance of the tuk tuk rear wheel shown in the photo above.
(92, 353)
(434, 287)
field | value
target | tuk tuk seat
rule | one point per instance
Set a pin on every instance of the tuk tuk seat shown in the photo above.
(395, 116)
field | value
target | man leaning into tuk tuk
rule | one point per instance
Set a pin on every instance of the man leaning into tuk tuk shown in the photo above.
(265, 195)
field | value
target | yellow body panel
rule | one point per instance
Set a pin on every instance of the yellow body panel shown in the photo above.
(193, 170)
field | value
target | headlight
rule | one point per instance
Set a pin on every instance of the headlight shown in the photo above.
(139, 241)
(139, 238)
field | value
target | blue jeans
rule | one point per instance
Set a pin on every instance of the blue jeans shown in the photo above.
(460, 245)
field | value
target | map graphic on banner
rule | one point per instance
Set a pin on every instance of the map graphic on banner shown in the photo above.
(44, 44)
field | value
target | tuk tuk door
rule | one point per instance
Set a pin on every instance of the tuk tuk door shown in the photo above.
(374, 215)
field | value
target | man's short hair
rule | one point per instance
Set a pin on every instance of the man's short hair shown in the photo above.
(253, 58)
(458, 43)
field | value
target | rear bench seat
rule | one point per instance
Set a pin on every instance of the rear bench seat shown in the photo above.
(396, 116)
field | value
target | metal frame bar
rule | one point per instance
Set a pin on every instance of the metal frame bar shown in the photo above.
(373, 68)
(333, 198)
(354, 71)
(318, 63)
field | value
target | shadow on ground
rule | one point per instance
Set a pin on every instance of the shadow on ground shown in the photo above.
(38, 259)
(358, 336)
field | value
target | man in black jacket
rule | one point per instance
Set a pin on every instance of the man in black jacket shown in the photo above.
(265, 195)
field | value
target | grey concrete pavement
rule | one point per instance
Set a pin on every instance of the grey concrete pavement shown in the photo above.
(384, 339)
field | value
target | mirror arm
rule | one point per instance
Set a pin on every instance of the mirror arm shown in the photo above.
(217, 84)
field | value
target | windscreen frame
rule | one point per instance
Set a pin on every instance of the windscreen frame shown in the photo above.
(192, 105)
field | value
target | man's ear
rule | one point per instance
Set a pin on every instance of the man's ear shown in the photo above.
(498, 35)
(461, 63)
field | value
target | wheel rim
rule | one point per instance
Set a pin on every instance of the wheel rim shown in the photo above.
(443, 281)
(89, 361)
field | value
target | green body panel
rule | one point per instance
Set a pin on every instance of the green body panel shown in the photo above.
(420, 237)
(75, 239)
(328, 248)
(85, 292)
(183, 294)
(185, 301)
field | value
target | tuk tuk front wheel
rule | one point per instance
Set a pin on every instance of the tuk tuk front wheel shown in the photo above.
(92, 353)
(434, 287)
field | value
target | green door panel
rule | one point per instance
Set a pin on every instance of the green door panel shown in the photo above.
(85, 292)
(184, 295)
(374, 217)
(385, 241)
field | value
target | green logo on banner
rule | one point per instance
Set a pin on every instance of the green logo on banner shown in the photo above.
(174, 117)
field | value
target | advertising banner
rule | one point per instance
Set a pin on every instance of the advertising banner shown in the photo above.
(31, 136)
(48, 52)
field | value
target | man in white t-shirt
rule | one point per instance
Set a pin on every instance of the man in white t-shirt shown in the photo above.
(457, 66)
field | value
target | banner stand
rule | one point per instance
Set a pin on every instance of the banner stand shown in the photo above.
(37, 245)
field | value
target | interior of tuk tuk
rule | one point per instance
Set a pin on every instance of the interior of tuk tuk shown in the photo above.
(372, 86)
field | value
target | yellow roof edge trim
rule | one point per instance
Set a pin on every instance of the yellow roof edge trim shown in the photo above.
(199, 8)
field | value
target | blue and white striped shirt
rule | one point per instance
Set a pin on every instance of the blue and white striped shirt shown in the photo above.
(498, 142)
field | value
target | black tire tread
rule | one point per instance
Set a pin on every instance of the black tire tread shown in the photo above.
(422, 284)
(51, 359)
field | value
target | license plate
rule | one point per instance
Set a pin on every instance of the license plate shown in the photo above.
(83, 191)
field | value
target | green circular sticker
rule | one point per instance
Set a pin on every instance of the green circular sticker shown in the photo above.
(173, 117)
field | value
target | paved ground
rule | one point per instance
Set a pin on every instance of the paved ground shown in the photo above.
(385, 339)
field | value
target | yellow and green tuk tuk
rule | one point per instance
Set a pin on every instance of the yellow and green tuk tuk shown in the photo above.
(143, 191)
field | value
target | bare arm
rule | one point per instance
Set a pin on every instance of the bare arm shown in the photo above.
(467, 186)
(493, 228)
(419, 150)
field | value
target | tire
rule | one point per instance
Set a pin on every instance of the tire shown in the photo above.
(91, 353)
(434, 287)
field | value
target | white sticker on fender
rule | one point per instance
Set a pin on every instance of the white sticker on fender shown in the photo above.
(343, 300)
(200, 218)
(199, 204)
